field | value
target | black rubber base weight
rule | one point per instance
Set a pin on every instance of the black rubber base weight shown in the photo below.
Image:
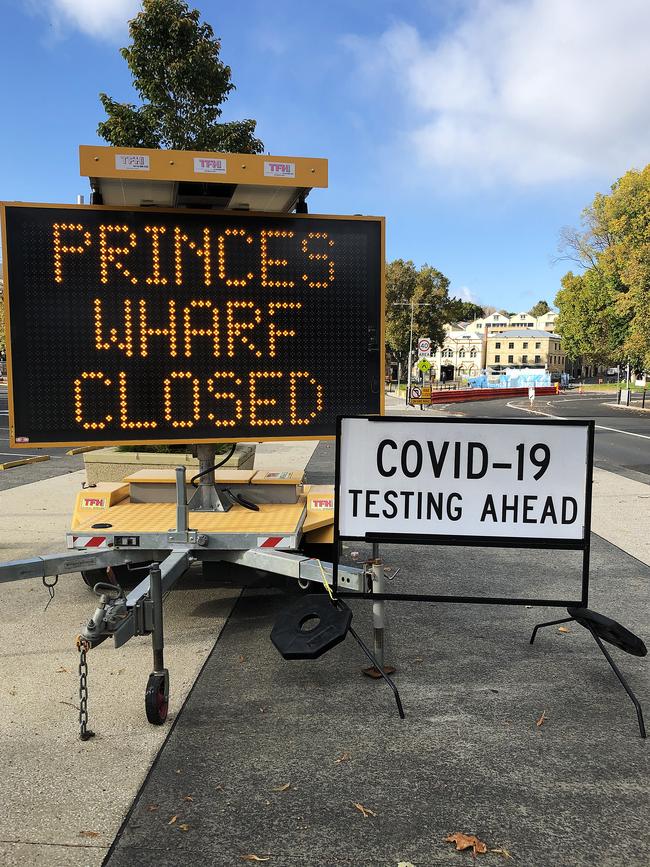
(310, 628)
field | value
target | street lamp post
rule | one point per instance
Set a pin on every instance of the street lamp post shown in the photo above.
(413, 305)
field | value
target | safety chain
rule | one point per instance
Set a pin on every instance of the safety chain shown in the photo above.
(84, 732)
(50, 588)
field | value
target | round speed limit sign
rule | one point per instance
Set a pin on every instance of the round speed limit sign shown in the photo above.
(424, 346)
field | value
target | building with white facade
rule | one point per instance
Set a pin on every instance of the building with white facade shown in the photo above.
(470, 348)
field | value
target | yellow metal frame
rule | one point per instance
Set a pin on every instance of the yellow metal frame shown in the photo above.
(168, 165)
(235, 215)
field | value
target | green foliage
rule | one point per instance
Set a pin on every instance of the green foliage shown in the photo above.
(174, 60)
(540, 308)
(612, 298)
(172, 449)
(588, 320)
(427, 289)
(464, 311)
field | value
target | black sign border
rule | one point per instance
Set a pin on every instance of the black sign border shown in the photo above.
(471, 541)
(4, 205)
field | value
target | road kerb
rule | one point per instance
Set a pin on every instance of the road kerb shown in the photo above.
(7, 465)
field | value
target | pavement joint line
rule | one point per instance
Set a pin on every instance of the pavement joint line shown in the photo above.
(55, 845)
(7, 465)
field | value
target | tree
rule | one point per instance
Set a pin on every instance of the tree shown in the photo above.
(613, 248)
(174, 60)
(463, 311)
(540, 308)
(590, 326)
(424, 293)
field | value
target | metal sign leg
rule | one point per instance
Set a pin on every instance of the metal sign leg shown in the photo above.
(378, 578)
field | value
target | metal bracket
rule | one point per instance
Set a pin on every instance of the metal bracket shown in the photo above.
(184, 537)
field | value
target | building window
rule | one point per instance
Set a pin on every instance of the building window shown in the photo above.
(525, 344)
(497, 359)
(538, 359)
(497, 345)
(511, 346)
(524, 359)
(472, 353)
(511, 359)
(461, 354)
(538, 346)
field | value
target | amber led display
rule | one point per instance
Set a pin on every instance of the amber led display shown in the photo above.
(148, 325)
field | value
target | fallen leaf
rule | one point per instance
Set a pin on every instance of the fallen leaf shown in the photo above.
(542, 719)
(281, 788)
(188, 798)
(242, 659)
(365, 811)
(255, 858)
(12, 691)
(62, 670)
(184, 827)
(152, 807)
(467, 841)
(503, 852)
(91, 834)
(344, 757)
(563, 629)
(172, 820)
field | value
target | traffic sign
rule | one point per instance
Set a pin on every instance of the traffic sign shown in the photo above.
(424, 346)
(420, 395)
(141, 325)
(525, 481)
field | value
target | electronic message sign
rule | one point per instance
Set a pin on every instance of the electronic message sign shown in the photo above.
(143, 325)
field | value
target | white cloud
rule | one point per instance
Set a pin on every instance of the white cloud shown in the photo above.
(98, 18)
(532, 91)
(466, 294)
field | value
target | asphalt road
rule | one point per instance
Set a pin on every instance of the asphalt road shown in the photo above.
(58, 463)
(622, 442)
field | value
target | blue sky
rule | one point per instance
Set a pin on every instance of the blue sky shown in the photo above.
(477, 127)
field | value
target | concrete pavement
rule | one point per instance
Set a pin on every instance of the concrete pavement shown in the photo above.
(469, 757)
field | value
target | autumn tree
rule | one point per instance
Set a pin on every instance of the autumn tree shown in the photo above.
(177, 72)
(612, 295)
(422, 293)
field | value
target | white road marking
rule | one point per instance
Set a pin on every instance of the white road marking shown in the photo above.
(628, 432)
(598, 426)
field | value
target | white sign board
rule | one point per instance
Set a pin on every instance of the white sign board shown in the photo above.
(132, 162)
(485, 479)
(424, 346)
(210, 166)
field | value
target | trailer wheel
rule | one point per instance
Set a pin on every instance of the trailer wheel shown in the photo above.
(156, 699)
